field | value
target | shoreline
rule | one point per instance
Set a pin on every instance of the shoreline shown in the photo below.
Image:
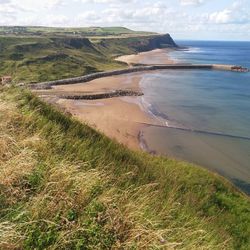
(120, 118)
(149, 57)
(136, 68)
(131, 121)
(96, 92)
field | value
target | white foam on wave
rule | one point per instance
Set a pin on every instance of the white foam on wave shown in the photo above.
(193, 50)
(148, 107)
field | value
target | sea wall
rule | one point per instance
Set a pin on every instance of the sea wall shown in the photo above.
(222, 67)
(90, 77)
(116, 93)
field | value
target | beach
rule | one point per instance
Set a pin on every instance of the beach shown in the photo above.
(117, 118)
(181, 130)
(157, 56)
(120, 118)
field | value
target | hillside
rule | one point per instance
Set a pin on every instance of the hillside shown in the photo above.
(52, 31)
(65, 186)
(47, 56)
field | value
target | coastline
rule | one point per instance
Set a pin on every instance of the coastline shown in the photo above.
(157, 56)
(120, 118)
(132, 122)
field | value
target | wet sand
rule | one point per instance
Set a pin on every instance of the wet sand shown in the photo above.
(117, 118)
(221, 154)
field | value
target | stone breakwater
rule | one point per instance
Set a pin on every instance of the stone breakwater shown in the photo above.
(90, 77)
(115, 93)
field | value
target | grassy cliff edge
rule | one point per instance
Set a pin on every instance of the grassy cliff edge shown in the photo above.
(28, 58)
(64, 185)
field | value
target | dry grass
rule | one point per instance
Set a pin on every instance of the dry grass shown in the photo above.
(10, 237)
(51, 200)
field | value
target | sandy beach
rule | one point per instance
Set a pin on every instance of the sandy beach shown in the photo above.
(105, 84)
(157, 56)
(120, 118)
(127, 120)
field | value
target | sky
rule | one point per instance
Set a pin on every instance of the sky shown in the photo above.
(183, 19)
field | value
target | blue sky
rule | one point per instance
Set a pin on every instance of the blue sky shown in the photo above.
(183, 19)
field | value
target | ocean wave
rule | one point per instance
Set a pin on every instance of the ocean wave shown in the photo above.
(159, 116)
(193, 50)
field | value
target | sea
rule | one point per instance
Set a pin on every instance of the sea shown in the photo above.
(206, 113)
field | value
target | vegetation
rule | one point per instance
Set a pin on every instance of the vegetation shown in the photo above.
(41, 59)
(56, 53)
(88, 31)
(65, 186)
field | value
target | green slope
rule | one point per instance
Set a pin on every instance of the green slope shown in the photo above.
(65, 186)
(42, 58)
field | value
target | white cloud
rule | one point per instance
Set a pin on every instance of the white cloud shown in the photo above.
(237, 13)
(221, 17)
(56, 20)
(8, 11)
(31, 5)
(154, 15)
(191, 2)
(108, 1)
(4, 1)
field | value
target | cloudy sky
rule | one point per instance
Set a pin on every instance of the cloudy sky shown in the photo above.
(183, 19)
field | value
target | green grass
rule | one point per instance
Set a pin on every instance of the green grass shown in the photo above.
(83, 31)
(65, 186)
(50, 57)
(41, 59)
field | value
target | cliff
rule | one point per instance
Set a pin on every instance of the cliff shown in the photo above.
(76, 43)
(155, 42)
(47, 58)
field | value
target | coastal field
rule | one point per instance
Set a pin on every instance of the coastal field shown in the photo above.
(83, 31)
(72, 172)
(143, 122)
(64, 185)
(41, 54)
(120, 118)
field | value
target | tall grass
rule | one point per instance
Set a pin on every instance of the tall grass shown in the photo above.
(65, 186)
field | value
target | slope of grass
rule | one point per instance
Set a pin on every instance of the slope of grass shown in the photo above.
(41, 59)
(65, 186)
(51, 57)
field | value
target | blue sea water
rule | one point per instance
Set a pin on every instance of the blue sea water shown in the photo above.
(219, 52)
(213, 108)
